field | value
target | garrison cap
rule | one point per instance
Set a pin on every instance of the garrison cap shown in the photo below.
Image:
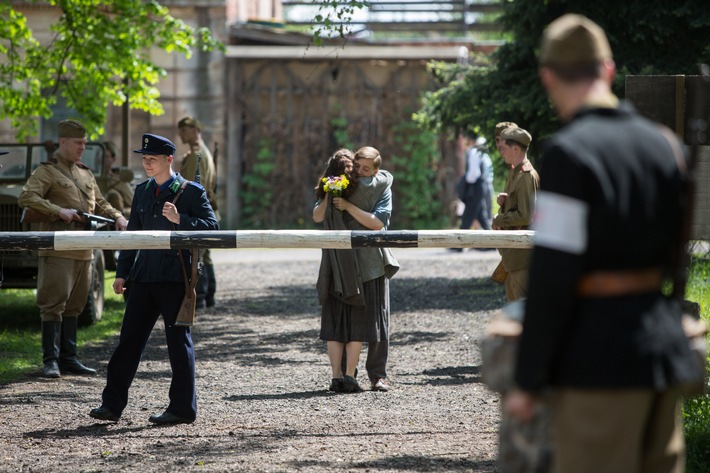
(4, 152)
(503, 125)
(191, 122)
(573, 41)
(156, 144)
(111, 146)
(71, 129)
(517, 134)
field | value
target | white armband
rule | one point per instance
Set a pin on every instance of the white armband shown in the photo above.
(560, 223)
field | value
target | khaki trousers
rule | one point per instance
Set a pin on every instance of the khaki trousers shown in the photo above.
(516, 285)
(618, 431)
(62, 287)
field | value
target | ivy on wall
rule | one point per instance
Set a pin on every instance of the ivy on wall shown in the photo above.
(416, 186)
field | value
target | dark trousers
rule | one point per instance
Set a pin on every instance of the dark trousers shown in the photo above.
(376, 364)
(145, 303)
(476, 209)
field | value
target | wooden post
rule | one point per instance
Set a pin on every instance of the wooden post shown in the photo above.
(667, 100)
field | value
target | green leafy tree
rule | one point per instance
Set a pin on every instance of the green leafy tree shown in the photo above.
(646, 36)
(99, 54)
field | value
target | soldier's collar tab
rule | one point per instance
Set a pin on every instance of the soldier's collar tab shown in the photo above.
(175, 186)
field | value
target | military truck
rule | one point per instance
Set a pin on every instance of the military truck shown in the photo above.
(19, 268)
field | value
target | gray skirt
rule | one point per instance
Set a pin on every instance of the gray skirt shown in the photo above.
(345, 323)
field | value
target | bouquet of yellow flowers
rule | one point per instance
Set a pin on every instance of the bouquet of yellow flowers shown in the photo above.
(335, 184)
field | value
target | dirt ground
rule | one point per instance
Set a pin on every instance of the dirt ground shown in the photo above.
(262, 378)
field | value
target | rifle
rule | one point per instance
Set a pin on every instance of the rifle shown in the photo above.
(91, 221)
(186, 314)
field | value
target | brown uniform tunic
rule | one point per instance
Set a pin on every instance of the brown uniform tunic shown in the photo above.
(517, 214)
(208, 174)
(63, 278)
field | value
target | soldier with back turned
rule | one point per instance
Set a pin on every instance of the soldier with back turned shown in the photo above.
(598, 329)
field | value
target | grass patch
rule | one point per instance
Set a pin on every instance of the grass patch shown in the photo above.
(696, 410)
(20, 329)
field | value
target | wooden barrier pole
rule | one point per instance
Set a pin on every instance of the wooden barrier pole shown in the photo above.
(327, 239)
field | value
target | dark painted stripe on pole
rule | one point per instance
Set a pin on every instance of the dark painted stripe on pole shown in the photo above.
(202, 239)
(393, 239)
(20, 241)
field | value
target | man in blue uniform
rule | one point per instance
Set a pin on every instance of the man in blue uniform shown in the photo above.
(156, 285)
(597, 328)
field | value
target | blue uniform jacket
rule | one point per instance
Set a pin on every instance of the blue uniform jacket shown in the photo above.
(146, 214)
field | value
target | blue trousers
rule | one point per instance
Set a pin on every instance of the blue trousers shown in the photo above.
(145, 303)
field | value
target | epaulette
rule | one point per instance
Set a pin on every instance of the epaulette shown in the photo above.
(527, 167)
(50, 161)
(196, 184)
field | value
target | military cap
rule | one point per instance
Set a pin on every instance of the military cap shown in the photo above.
(191, 122)
(155, 144)
(503, 125)
(517, 134)
(71, 129)
(111, 146)
(573, 41)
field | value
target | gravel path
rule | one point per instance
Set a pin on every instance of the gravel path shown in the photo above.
(263, 377)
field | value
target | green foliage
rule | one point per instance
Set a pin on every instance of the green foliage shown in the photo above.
(696, 410)
(333, 18)
(99, 54)
(508, 89)
(257, 188)
(416, 187)
(20, 329)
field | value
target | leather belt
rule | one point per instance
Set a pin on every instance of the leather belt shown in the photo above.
(619, 283)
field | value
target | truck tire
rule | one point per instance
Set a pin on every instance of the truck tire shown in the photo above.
(94, 308)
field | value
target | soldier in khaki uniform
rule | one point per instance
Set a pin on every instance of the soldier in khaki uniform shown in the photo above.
(523, 446)
(115, 182)
(58, 188)
(190, 134)
(517, 204)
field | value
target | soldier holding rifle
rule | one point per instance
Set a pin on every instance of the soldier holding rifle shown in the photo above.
(61, 190)
(166, 201)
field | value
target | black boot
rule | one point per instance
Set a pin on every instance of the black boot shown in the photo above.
(50, 349)
(211, 285)
(67, 355)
